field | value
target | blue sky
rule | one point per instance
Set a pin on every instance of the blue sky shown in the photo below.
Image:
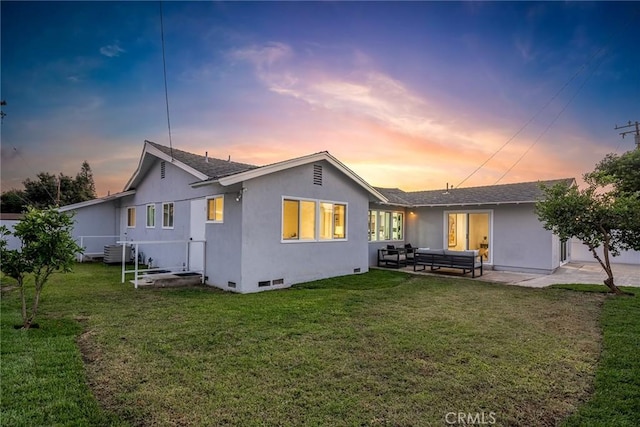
(412, 95)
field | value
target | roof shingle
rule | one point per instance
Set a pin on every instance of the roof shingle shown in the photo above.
(213, 168)
(523, 192)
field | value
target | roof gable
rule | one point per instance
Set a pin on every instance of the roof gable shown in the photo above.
(200, 167)
(299, 161)
(208, 170)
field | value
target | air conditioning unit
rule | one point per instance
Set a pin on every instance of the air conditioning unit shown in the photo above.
(113, 254)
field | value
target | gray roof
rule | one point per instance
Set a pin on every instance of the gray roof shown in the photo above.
(213, 168)
(523, 192)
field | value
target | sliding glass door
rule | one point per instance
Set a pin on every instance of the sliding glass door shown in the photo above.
(469, 231)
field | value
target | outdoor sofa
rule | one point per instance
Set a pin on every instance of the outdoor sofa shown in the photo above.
(467, 261)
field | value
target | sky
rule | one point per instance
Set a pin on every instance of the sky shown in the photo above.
(414, 95)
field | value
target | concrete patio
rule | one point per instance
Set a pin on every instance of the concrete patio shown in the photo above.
(573, 272)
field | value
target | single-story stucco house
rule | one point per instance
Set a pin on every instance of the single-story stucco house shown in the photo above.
(258, 228)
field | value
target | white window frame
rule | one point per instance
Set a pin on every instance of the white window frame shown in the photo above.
(379, 217)
(316, 238)
(445, 226)
(150, 205)
(315, 220)
(333, 233)
(215, 221)
(131, 209)
(173, 216)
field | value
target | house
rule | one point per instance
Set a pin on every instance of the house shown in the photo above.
(9, 220)
(498, 220)
(265, 227)
(253, 228)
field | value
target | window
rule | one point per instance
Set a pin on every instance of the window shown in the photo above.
(299, 219)
(131, 217)
(386, 225)
(332, 221)
(167, 215)
(397, 226)
(373, 225)
(215, 209)
(151, 216)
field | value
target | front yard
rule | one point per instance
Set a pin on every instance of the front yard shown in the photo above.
(383, 348)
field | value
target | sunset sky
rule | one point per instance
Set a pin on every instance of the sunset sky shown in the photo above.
(412, 95)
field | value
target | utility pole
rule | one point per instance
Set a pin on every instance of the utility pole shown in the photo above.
(636, 131)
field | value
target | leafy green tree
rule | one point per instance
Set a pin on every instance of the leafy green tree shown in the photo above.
(13, 201)
(46, 246)
(604, 214)
(52, 190)
(621, 172)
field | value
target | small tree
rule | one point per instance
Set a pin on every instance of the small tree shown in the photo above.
(46, 246)
(605, 214)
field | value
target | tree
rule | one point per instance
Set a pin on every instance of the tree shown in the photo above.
(51, 190)
(605, 214)
(46, 246)
(85, 188)
(13, 201)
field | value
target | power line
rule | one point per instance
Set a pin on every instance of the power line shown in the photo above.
(166, 91)
(551, 123)
(575, 75)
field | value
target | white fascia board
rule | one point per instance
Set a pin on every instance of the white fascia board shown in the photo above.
(150, 149)
(400, 205)
(292, 163)
(96, 201)
(440, 205)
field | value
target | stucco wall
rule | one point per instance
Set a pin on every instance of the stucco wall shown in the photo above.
(520, 243)
(580, 252)
(96, 220)
(266, 257)
(224, 241)
(155, 190)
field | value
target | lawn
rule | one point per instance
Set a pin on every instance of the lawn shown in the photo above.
(382, 348)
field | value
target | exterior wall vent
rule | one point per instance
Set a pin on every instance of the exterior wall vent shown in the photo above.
(356, 270)
(317, 174)
(264, 283)
(231, 284)
(278, 282)
(163, 169)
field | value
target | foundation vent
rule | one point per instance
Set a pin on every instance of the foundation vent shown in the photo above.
(264, 283)
(317, 174)
(278, 282)
(356, 270)
(231, 284)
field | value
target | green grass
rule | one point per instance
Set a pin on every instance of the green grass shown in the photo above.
(382, 348)
(616, 400)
